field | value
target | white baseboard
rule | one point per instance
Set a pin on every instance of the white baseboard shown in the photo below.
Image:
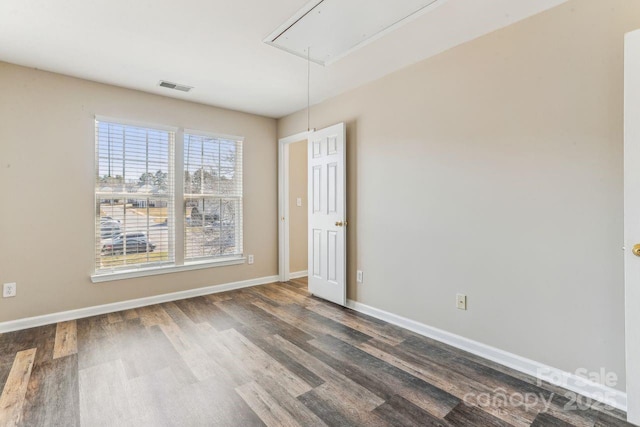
(567, 380)
(47, 319)
(298, 274)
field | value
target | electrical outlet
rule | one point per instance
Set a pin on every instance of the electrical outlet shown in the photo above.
(9, 290)
(461, 301)
(299, 201)
(249, 259)
(359, 276)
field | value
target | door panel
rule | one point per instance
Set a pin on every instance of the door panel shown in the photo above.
(317, 250)
(327, 214)
(332, 190)
(317, 189)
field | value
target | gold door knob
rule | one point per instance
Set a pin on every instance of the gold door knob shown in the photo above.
(636, 249)
(339, 224)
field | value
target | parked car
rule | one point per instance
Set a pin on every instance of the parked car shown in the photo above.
(109, 229)
(134, 243)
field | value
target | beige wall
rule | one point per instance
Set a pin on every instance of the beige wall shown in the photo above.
(47, 183)
(495, 169)
(298, 214)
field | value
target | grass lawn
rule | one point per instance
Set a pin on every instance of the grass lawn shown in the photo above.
(159, 215)
(157, 212)
(107, 261)
(104, 208)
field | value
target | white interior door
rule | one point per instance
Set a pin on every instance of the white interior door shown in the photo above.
(327, 214)
(632, 221)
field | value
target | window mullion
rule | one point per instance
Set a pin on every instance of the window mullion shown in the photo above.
(124, 174)
(177, 230)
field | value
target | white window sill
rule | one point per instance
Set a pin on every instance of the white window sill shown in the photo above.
(164, 269)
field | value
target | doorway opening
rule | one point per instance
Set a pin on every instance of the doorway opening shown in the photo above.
(293, 208)
(298, 211)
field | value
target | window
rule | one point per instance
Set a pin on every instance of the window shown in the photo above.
(135, 197)
(212, 197)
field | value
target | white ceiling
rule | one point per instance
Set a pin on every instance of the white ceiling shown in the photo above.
(216, 46)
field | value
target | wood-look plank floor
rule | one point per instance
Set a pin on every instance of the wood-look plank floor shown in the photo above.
(269, 355)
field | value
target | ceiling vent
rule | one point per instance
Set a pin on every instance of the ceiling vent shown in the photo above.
(175, 86)
(331, 29)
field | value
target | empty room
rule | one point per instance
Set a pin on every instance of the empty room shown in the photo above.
(320, 213)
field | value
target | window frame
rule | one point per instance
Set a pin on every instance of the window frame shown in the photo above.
(176, 228)
(239, 231)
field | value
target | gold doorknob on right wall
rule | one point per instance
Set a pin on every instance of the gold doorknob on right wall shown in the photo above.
(636, 249)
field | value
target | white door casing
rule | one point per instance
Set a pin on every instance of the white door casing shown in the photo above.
(632, 221)
(283, 202)
(327, 264)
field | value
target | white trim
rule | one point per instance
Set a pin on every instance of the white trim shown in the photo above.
(631, 227)
(567, 380)
(283, 202)
(214, 135)
(302, 136)
(285, 220)
(135, 123)
(176, 228)
(298, 274)
(152, 271)
(47, 319)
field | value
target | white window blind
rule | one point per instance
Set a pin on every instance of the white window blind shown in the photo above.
(212, 197)
(134, 196)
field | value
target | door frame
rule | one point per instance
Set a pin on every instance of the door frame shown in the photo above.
(283, 201)
(631, 226)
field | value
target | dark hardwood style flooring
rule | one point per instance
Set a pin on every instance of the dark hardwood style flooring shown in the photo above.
(268, 355)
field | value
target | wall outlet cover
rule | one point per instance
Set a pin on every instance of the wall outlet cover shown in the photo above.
(9, 290)
(359, 276)
(249, 259)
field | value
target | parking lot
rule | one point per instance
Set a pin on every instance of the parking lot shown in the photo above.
(131, 220)
(208, 239)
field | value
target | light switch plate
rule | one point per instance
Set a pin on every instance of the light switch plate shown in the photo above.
(461, 301)
(299, 201)
(359, 276)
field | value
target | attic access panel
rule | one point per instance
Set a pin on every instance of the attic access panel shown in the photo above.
(335, 28)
